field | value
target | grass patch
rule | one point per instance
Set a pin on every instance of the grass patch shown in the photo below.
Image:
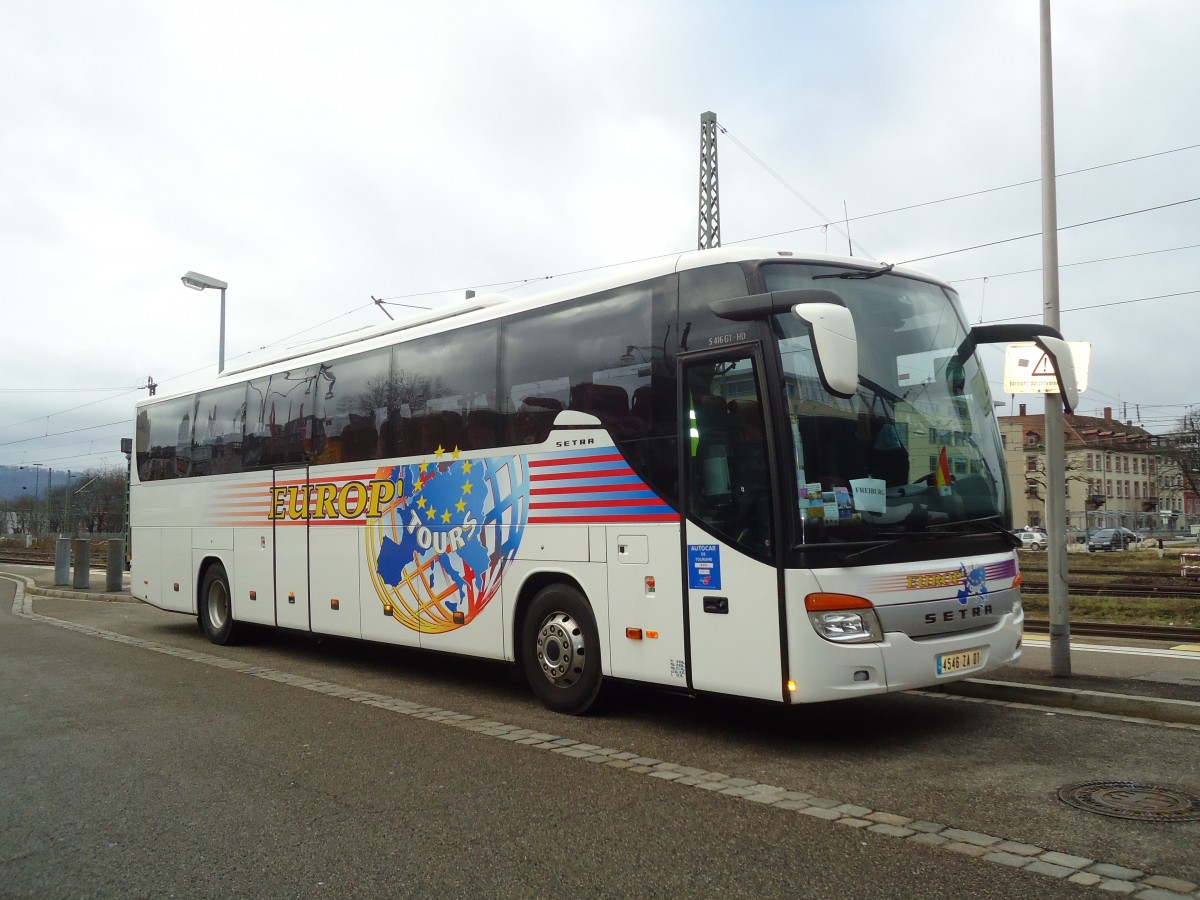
(1120, 610)
(1115, 563)
(1127, 568)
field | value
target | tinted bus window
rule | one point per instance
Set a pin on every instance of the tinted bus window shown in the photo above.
(699, 328)
(353, 397)
(164, 435)
(593, 356)
(218, 431)
(444, 387)
(280, 413)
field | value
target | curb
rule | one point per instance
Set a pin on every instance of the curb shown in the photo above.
(1126, 705)
(32, 588)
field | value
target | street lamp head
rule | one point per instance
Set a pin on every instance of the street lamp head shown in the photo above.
(198, 282)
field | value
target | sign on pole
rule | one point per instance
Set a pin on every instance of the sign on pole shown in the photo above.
(1028, 370)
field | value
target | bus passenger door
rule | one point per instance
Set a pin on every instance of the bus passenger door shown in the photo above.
(732, 584)
(291, 524)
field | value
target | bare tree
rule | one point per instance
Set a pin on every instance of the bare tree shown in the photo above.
(1181, 450)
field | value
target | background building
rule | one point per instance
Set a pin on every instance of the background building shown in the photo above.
(1116, 474)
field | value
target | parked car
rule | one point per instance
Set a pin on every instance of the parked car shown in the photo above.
(1031, 540)
(1112, 539)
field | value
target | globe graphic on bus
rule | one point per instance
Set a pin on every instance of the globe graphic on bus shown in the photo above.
(438, 551)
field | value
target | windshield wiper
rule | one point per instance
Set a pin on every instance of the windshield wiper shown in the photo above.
(890, 539)
(858, 275)
(990, 521)
(932, 532)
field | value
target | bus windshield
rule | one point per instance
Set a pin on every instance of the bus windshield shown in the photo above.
(916, 449)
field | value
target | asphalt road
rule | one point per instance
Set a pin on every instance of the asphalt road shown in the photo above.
(128, 771)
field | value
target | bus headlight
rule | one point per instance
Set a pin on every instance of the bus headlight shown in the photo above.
(843, 618)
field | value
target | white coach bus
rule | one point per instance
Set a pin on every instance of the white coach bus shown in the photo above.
(741, 471)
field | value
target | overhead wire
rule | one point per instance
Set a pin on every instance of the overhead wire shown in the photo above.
(827, 223)
(1022, 237)
(1084, 262)
(1005, 187)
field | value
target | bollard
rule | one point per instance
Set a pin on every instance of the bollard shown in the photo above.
(62, 561)
(83, 564)
(116, 566)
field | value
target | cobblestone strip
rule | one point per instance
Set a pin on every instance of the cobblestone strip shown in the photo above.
(1118, 880)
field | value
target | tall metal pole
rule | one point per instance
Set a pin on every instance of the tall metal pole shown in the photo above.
(221, 351)
(37, 497)
(709, 232)
(1056, 526)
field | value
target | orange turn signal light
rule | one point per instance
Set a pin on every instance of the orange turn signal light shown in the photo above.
(634, 634)
(825, 602)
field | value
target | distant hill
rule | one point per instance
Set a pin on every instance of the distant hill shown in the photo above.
(14, 478)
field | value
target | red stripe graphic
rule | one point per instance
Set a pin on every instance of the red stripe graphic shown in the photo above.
(562, 476)
(587, 489)
(576, 460)
(568, 504)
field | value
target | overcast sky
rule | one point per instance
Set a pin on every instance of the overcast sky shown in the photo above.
(315, 154)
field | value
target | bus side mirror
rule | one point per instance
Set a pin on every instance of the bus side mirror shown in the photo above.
(1059, 352)
(834, 343)
(1048, 339)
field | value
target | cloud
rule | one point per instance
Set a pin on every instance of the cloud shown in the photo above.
(313, 157)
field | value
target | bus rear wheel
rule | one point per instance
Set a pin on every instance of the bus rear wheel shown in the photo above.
(216, 607)
(560, 650)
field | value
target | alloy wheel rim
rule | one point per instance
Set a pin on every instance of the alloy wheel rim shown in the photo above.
(560, 650)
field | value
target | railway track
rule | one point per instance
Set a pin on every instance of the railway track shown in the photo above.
(35, 560)
(1176, 591)
(1129, 632)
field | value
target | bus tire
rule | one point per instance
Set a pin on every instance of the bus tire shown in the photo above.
(560, 650)
(216, 607)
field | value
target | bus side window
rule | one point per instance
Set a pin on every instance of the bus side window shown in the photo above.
(167, 424)
(729, 479)
(218, 431)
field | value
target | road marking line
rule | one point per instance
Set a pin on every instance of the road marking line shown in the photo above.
(1037, 860)
(1184, 651)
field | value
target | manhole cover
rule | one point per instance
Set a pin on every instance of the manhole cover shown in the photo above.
(1133, 800)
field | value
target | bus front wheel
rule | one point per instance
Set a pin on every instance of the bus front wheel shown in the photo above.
(216, 606)
(560, 650)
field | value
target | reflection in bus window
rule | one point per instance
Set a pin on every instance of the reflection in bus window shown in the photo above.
(160, 432)
(567, 358)
(450, 409)
(217, 434)
(353, 397)
(729, 477)
(280, 410)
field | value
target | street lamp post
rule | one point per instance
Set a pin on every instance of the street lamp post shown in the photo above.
(198, 282)
(36, 514)
(67, 523)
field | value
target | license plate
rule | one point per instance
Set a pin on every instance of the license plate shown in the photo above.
(949, 663)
